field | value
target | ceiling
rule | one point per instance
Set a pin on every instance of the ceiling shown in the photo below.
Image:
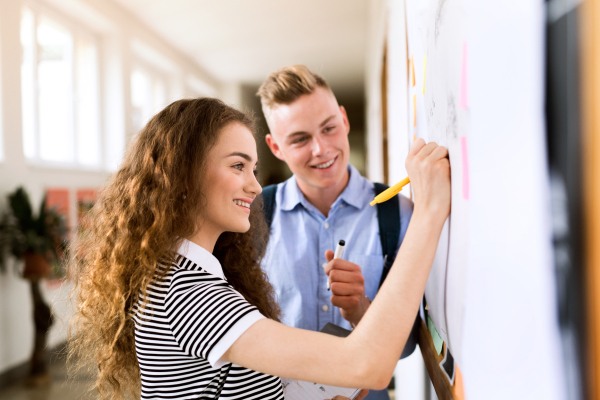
(244, 40)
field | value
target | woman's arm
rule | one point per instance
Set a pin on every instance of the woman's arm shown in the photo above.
(368, 356)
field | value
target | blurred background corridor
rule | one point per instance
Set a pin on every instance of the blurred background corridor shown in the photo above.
(79, 79)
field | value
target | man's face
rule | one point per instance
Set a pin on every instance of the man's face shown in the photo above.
(311, 136)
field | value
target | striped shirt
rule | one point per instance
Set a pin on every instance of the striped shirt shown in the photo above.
(193, 317)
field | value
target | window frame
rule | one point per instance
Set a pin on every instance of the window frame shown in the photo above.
(77, 31)
(155, 74)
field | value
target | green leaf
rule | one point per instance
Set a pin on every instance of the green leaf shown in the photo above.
(21, 208)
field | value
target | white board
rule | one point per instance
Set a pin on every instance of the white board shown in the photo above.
(437, 44)
(491, 292)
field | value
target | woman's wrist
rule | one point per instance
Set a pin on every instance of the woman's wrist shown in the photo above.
(430, 217)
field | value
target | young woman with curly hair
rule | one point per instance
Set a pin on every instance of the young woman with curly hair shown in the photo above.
(171, 300)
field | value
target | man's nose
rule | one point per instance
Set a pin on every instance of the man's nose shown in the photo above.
(318, 146)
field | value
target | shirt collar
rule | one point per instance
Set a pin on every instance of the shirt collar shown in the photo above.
(200, 257)
(355, 193)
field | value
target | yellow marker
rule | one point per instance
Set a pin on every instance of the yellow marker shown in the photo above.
(424, 71)
(391, 192)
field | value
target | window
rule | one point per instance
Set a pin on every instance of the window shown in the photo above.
(59, 89)
(148, 95)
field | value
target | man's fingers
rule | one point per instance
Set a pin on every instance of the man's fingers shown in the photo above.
(342, 276)
(342, 265)
(346, 289)
(345, 302)
(363, 393)
(329, 255)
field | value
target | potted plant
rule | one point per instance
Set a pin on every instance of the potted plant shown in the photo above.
(39, 241)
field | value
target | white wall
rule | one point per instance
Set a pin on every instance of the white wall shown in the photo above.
(387, 24)
(117, 30)
(376, 31)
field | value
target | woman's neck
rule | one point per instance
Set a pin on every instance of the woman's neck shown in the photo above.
(206, 238)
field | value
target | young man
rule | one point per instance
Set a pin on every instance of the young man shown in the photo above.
(326, 201)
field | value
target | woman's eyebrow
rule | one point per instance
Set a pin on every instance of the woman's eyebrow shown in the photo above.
(243, 155)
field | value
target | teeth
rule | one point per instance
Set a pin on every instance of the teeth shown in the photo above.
(325, 165)
(242, 203)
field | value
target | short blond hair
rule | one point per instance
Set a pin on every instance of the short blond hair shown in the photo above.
(287, 84)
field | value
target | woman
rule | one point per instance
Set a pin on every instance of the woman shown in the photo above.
(171, 269)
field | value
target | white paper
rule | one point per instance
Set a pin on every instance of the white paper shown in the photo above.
(494, 300)
(456, 272)
(301, 390)
(437, 33)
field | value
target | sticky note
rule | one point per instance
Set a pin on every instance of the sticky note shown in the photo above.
(437, 340)
(464, 80)
(415, 110)
(424, 71)
(412, 69)
(465, 167)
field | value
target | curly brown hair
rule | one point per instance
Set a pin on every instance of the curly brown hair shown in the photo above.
(140, 218)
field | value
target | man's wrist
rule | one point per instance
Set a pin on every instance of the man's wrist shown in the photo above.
(366, 302)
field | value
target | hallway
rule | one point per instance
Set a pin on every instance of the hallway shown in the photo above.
(60, 389)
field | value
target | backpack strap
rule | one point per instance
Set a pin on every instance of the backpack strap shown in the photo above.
(268, 195)
(388, 216)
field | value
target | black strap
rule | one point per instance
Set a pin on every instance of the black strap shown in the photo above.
(268, 195)
(388, 216)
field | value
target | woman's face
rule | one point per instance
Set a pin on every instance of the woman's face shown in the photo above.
(230, 183)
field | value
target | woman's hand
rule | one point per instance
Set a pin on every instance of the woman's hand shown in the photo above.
(429, 171)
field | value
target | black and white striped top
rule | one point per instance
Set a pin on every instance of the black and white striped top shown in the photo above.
(194, 316)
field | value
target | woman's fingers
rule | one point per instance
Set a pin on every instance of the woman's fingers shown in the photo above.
(428, 169)
(439, 152)
(416, 147)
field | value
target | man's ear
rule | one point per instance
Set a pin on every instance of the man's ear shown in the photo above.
(274, 147)
(345, 119)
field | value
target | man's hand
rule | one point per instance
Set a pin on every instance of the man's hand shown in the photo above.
(363, 393)
(347, 288)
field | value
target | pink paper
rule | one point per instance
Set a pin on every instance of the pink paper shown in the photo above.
(464, 75)
(465, 167)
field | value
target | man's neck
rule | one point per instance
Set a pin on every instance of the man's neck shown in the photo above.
(323, 198)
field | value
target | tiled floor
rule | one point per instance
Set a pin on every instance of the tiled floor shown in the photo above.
(60, 389)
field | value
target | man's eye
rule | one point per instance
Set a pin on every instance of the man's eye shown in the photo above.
(329, 128)
(255, 172)
(300, 139)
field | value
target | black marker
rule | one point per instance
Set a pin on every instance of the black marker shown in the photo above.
(339, 253)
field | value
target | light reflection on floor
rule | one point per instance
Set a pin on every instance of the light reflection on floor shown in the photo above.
(60, 389)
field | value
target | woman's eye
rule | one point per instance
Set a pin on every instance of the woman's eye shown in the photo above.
(239, 167)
